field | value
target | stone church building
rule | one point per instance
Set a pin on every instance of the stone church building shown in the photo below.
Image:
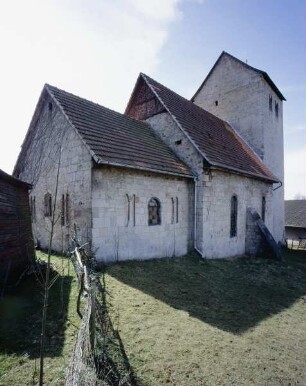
(168, 176)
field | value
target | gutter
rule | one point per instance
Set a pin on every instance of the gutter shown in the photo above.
(279, 186)
(100, 162)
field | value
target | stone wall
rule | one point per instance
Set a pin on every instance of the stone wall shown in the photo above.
(119, 235)
(240, 96)
(167, 129)
(55, 144)
(217, 212)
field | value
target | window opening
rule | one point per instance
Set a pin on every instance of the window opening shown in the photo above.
(234, 210)
(63, 210)
(263, 208)
(270, 103)
(154, 211)
(67, 206)
(48, 205)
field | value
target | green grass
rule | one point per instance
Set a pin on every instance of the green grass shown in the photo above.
(20, 326)
(220, 322)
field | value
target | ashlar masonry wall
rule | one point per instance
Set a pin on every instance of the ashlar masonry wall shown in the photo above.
(241, 96)
(217, 212)
(167, 129)
(214, 192)
(55, 144)
(121, 230)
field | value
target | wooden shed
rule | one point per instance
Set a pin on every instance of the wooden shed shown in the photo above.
(16, 240)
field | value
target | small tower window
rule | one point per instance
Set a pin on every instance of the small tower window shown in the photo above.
(234, 212)
(178, 142)
(276, 109)
(216, 103)
(50, 106)
(48, 205)
(154, 211)
(263, 208)
(270, 103)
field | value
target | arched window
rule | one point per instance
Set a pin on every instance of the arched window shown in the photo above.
(263, 208)
(234, 212)
(154, 211)
(48, 205)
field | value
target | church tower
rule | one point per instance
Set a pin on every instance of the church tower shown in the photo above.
(248, 99)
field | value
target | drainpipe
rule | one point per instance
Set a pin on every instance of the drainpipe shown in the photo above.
(195, 217)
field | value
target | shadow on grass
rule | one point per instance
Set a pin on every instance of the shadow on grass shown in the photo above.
(20, 318)
(232, 295)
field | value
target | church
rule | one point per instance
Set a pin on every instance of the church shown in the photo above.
(168, 176)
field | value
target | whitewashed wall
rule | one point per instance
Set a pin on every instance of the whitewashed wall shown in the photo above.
(116, 238)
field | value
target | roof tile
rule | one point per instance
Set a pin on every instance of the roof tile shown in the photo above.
(117, 139)
(220, 145)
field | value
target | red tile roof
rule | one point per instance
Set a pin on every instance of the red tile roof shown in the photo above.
(215, 139)
(117, 139)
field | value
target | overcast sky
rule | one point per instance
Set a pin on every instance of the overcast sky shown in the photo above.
(96, 48)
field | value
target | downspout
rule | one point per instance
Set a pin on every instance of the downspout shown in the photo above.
(195, 217)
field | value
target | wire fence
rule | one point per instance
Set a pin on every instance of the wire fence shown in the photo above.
(98, 357)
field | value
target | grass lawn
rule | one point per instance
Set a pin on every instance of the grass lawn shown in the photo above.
(20, 326)
(187, 321)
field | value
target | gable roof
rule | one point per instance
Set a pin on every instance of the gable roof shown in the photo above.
(295, 213)
(260, 72)
(116, 139)
(217, 142)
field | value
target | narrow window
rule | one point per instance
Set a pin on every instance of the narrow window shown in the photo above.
(178, 142)
(270, 103)
(172, 210)
(67, 206)
(154, 211)
(134, 210)
(216, 103)
(263, 208)
(234, 210)
(276, 109)
(63, 210)
(128, 209)
(48, 205)
(177, 205)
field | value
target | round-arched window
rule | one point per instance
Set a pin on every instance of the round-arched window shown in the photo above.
(154, 211)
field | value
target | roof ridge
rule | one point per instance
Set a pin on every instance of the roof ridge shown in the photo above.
(50, 87)
(199, 126)
(187, 100)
